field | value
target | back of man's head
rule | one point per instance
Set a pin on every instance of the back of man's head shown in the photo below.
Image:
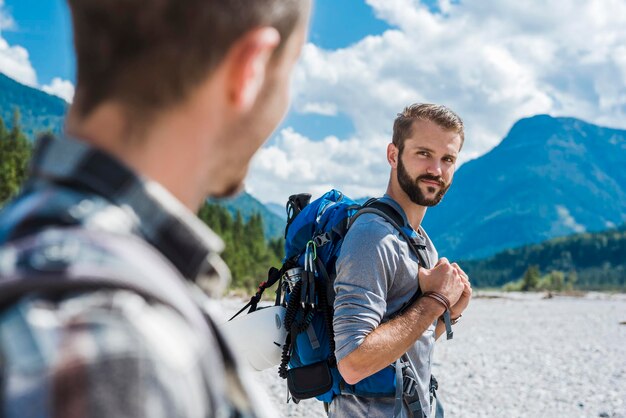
(148, 55)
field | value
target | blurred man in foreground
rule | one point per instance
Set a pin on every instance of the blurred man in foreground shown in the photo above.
(101, 255)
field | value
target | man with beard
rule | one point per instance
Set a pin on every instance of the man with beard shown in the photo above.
(101, 255)
(377, 274)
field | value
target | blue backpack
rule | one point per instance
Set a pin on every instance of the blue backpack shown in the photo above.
(313, 238)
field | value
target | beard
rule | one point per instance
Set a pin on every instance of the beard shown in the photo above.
(412, 187)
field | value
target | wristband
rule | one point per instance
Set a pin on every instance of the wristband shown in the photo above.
(439, 298)
(446, 314)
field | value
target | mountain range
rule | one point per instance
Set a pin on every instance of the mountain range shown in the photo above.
(549, 177)
(278, 210)
(248, 205)
(597, 260)
(39, 111)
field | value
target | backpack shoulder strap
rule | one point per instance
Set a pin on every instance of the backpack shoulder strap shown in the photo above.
(391, 215)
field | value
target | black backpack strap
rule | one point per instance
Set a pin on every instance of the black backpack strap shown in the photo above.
(397, 217)
(391, 215)
(294, 206)
(273, 276)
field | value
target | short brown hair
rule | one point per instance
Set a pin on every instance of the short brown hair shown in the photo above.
(438, 114)
(148, 55)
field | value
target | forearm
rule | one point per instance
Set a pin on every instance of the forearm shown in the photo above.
(389, 341)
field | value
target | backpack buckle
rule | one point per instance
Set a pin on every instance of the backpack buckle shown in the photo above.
(417, 243)
(409, 380)
(321, 239)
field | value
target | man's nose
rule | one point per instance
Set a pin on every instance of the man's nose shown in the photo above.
(434, 168)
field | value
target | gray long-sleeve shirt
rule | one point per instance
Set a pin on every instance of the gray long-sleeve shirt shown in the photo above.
(376, 276)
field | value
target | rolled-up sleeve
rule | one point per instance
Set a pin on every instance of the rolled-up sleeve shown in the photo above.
(365, 271)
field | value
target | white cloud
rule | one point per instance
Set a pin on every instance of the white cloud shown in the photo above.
(61, 88)
(296, 164)
(492, 61)
(566, 219)
(14, 60)
(326, 109)
(6, 21)
(15, 63)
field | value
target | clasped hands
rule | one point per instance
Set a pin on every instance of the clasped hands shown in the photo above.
(449, 280)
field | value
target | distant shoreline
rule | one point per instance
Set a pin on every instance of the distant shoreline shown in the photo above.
(543, 294)
(245, 295)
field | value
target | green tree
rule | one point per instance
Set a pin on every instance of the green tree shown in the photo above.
(557, 280)
(514, 286)
(277, 246)
(553, 281)
(15, 152)
(530, 279)
(570, 280)
(593, 261)
(254, 237)
(246, 252)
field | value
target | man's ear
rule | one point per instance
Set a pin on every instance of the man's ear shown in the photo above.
(248, 60)
(392, 155)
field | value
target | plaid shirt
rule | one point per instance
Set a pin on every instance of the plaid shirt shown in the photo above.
(111, 352)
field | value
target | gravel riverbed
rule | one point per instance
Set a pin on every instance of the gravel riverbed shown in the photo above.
(517, 355)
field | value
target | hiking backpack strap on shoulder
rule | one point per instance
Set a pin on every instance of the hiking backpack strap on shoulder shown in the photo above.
(391, 215)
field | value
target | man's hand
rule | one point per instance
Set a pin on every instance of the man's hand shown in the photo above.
(444, 278)
(457, 308)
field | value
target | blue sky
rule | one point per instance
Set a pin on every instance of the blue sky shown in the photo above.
(492, 61)
(335, 24)
(43, 28)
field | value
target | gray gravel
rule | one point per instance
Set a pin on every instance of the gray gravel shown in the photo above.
(519, 355)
